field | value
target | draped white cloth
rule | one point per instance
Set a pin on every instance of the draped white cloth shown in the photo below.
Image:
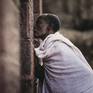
(66, 69)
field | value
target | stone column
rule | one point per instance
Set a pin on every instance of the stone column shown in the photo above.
(9, 47)
(37, 8)
(26, 46)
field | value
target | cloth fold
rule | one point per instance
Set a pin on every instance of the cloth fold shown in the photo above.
(66, 69)
(43, 50)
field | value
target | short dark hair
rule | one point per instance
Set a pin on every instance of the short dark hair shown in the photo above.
(52, 20)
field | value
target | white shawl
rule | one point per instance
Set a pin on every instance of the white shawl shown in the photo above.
(43, 50)
(68, 73)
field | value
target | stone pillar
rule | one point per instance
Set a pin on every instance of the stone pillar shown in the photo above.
(26, 44)
(29, 10)
(9, 47)
(37, 8)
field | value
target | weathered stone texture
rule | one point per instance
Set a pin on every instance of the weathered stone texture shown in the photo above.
(9, 47)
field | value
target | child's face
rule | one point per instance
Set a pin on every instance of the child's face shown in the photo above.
(40, 29)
